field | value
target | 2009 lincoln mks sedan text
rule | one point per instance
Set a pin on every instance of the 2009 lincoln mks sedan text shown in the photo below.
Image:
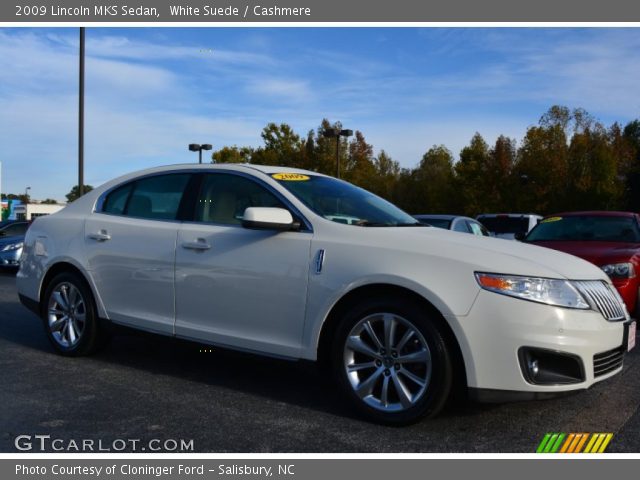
(300, 265)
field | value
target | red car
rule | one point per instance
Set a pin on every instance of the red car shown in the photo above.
(610, 240)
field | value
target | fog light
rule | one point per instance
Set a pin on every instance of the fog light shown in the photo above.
(548, 367)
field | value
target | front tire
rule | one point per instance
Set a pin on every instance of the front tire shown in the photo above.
(391, 360)
(70, 317)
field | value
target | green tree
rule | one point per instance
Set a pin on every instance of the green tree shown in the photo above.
(282, 146)
(471, 173)
(386, 176)
(631, 168)
(359, 168)
(540, 179)
(74, 194)
(592, 168)
(232, 155)
(434, 182)
(49, 201)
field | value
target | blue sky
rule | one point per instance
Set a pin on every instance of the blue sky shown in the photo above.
(151, 91)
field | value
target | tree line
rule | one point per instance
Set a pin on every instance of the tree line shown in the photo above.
(568, 161)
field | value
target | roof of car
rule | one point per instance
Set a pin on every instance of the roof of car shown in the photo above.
(439, 217)
(268, 169)
(512, 215)
(594, 213)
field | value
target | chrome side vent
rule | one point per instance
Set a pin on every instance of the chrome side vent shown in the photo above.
(603, 298)
(608, 361)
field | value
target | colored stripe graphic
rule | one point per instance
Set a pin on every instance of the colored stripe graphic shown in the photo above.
(574, 442)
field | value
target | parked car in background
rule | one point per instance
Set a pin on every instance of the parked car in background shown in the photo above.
(509, 225)
(11, 241)
(261, 259)
(610, 240)
(455, 223)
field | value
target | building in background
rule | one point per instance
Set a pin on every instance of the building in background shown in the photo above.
(31, 211)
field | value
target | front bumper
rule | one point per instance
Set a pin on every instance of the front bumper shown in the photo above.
(498, 327)
(10, 258)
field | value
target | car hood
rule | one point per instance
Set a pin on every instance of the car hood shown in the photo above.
(599, 253)
(9, 240)
(485, 254)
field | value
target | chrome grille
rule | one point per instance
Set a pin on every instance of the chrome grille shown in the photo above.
(609, 361)
(603, 298)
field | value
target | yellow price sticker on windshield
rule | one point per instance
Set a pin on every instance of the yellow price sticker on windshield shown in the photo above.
(290, 177)
(551, 219)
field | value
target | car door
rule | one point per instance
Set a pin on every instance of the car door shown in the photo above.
(14, 229)
(235, 286)
(130, 247)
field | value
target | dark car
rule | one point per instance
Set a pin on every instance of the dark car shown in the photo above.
(610, 240)
(454, 222)
(11, 239)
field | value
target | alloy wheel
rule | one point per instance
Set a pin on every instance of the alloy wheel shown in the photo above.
(66, 314)
(387, 362)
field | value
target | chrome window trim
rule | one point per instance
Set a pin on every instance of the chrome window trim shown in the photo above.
(305, 228)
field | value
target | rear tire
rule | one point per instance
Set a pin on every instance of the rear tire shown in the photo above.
(69, 316)
(391, 360)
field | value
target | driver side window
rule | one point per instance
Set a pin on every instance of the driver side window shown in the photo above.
(224, 197)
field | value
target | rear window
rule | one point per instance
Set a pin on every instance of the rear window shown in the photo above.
(154, 198)
(586, 228)
(500, 225)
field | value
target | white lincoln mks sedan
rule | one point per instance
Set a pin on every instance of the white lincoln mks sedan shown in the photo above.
(299, 265)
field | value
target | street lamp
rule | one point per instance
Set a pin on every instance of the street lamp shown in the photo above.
(195, 147)
(334, 132)
(81, 116)
(26, 195)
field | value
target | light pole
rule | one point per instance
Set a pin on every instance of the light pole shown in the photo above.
(26, 195)
(81, 117)
(195, 147)
(334, 132)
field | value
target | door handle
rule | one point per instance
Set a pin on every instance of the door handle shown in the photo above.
(101, 236)
(199, 244)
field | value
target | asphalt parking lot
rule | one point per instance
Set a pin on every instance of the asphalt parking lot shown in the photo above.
(147, 387)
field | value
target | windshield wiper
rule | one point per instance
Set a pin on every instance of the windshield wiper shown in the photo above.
(417, 224)
(367, 223)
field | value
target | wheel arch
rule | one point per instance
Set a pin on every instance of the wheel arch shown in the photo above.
(62, 266)
(359, 294)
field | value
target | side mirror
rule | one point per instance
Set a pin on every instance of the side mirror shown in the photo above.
(267, 218)
(520, 236)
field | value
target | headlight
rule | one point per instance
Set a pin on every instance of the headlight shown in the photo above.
(619, 270)
(543, 290)
(12, 246)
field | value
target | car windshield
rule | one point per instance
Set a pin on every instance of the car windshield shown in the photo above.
(586, 228)
(501, 225)
(343, 202)
(436, 222)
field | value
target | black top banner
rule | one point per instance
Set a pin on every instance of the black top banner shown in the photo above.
(238, 11)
